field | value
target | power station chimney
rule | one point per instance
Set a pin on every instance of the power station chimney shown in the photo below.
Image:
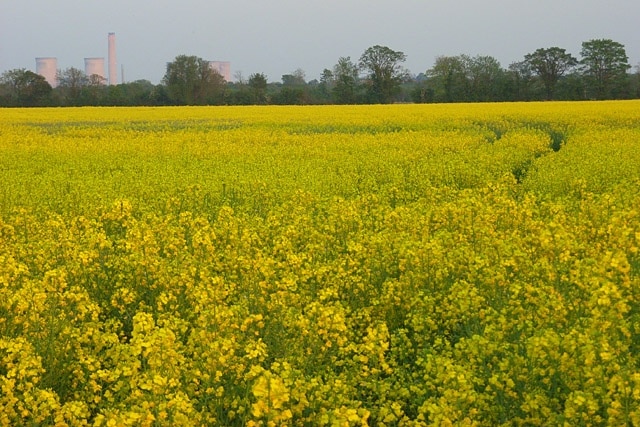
(113, 71)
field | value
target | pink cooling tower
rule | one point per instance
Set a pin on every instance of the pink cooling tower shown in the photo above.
(94, 66)
(48, 67)
(113, 70)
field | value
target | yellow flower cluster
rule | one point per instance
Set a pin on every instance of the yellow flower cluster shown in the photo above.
(407, 265)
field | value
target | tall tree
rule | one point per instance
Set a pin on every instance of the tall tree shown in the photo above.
(635, 82)
(484, 74)
(258, 84)
(466, 78)
(94, 91)
(605, 64)
(448, 79)
(345, 78)
(296, 78)
(326, 85)
(520, 81)
(293, 90)
(240, 93)
(24, 87)
(71, 81)
(385, 73)
(192, 81)
(550, 65)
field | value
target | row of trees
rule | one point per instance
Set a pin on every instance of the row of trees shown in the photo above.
(378, 76)
(24, 88)
(552, 73)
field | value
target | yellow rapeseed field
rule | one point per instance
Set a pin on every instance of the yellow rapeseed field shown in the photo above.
(402, 265)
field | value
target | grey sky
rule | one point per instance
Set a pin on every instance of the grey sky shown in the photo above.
(278, 36)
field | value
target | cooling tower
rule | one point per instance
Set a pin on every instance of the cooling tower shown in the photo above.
(94, 66)
(222, 67)
(47, 68)
(113, 70)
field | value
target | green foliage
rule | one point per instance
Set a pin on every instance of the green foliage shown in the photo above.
(550, 65)
(258, 85)
(345, 81)
(384, 72)
(71, 82)
(605, 64)
(545, 74)
(449, 79)
(24, 88)
(465, 79)
(191, 81)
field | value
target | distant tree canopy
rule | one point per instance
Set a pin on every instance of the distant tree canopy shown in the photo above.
(465, 78)
(345, 81)
(384, 72)
(296, 78)
(190, 80)
(448, 79)
(604, 64)
(602, 72)
(71, 81)
(258, 84)
(24, 88)
(550, 65)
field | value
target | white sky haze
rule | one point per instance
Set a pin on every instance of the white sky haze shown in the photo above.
(276, 37)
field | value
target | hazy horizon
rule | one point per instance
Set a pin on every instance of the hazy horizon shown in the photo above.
(280, 36)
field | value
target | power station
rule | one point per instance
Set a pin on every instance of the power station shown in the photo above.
(223, 68)
(48, 67)
(113, 70)
(94, 66)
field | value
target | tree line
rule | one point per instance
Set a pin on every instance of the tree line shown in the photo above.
(602, 72)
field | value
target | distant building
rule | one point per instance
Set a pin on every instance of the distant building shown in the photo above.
(48, 68)
(223, 68)
(94, 66)
(113, 69)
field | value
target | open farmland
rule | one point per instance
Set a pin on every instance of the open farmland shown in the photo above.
(374, 265)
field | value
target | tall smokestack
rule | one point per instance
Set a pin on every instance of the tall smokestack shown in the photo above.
(113, 71)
